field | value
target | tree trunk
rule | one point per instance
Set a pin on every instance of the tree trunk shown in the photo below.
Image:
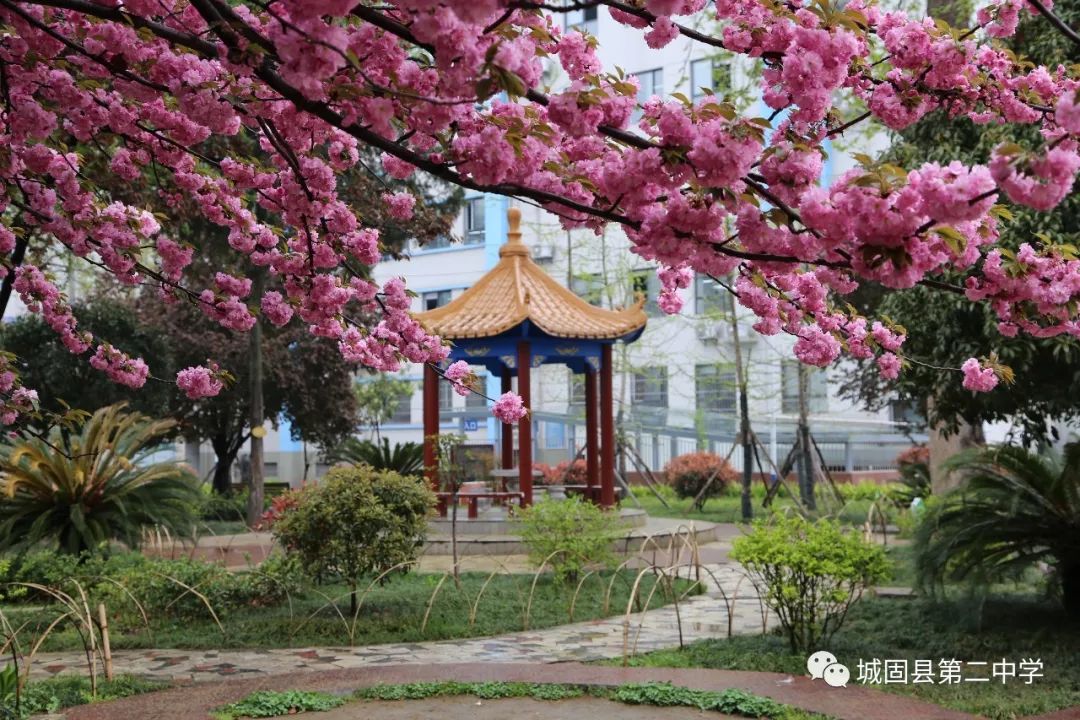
(255, 499)
(806, 466)
(943, 447)
(1070, 587)
(222, 482)
(744, 422)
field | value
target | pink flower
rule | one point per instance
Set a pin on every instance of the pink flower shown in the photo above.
(978, 378)
(276, 309)
(400, 205)
(670, 302)
(199, 382)
(889, 365)
(461, 376)
(509, 408)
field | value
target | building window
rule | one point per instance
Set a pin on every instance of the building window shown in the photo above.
(710, 297)
(709, 74)
(650, 82)
(585, 21)
(715, 388)
(474, 221)
(435, 299)
(650, 387)
(476, 399)
(647, 284)
(589, 287)
(446, 395)
(906, 412)
(403, 409)
(442, 241)
(577, 389)
(817, 388)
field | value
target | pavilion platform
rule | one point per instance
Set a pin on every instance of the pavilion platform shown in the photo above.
(499, 536)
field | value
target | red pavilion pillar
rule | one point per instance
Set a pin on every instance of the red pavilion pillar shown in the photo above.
(431, 425)
(607, 431)
(525, 458)
(507, 431)
(592, 450)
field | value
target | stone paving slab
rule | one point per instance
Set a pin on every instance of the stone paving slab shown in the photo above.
(695, 618)
(851, 703)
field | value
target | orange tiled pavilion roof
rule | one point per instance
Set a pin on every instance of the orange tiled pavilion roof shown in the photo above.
(516, 290)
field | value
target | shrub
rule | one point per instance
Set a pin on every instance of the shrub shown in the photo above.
(569, 534)
(213, 506)
(565, 473)
(355, 522)
(809, 574)
(272, 703)
(688, 474)
(405, 458)
(913, 465)
(101, 486)
(1014, 509)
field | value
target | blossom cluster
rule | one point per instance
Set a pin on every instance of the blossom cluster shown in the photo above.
(249, 116)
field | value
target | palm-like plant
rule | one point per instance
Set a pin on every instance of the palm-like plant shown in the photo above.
(98, 484)
(404, 458)
(1013, 509)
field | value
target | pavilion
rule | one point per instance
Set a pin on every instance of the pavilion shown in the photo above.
(516, 318)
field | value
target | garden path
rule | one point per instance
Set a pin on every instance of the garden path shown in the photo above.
(698, 617)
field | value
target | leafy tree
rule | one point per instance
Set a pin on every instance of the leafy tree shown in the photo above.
(80, 490)
(63, 380)
(569, 535)
(1015, 508)
(357, 521)
(1046, 370)
(307, 381)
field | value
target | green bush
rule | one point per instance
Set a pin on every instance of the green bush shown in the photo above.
(102, 485)
(809, 574)
(356, 521)
(405, 458)
(227, 508)
(688, 473)
(1014, 509)
(569, 534)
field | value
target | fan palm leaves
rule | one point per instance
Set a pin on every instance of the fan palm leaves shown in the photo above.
(405, 458)
(1014, 508)
(85, 488)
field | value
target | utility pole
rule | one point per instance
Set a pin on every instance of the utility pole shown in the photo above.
(806, 468)
(257, 491)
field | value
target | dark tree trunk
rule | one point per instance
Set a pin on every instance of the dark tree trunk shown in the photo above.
(1070, 587)
(226, 455)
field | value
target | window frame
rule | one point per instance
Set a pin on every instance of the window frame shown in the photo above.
(724, 388)
(474, 235)
(642, 396)
(717, 69)
(818, 390)
(726, 304)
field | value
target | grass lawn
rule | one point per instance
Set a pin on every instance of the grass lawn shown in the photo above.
(1009, 628)
(391, 613)
(727, 508)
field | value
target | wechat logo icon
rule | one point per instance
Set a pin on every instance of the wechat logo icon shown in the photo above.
(823, 665)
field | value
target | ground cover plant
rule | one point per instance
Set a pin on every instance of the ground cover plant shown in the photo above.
(55, 694)
(272, 703)
(276, 607)
(965, 627)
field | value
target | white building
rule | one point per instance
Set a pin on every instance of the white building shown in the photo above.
(675, 387)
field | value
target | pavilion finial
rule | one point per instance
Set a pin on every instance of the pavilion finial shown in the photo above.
(513, 245)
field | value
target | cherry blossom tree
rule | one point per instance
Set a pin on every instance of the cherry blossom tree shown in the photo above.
(250, 111)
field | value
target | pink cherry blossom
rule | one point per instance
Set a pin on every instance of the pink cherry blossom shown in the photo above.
(978, 378)
(199, 382)
(509, 408)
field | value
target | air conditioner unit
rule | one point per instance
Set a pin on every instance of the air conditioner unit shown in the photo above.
(712, 332)
(542, 253)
